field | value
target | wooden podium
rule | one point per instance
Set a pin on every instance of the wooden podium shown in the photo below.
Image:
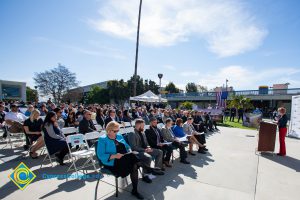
(267, 137)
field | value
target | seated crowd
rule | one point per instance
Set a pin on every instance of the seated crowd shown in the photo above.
(121, 154)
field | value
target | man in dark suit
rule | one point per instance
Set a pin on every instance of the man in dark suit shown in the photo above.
(86, 125)
(198, 122)
(169, 136)
(111, 117)
(138, 142)
(156, 140)
(232, 114)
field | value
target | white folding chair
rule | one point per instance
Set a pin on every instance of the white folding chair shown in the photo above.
(98, 128)
(130, 130)
(122, 130)
(93, 136)
(95, 122)
(127, 124)
(14, 138)
(147, 127)
(133, 123)
(69, 130)
(43, 117)
(83, 152)
(160, 125)
(48, 156)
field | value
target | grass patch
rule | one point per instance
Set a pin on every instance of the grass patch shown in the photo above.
(235, 124)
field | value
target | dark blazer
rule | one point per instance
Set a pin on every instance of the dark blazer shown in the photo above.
(109, 119)
(184, 118)
(198, 120)
(283, 121)
(152, 137)
(100, 120)
(86, 126)
(135, 141)
(167, 135)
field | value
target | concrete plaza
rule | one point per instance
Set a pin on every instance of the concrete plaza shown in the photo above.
(231, 170)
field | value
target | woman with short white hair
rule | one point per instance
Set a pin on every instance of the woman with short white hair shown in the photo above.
(114, 153)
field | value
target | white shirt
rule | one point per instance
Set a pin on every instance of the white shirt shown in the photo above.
(15, 116)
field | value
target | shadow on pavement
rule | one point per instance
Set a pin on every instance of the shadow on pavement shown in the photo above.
(287, 161)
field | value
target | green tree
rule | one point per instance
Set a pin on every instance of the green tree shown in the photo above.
(98, 95)
(31, 94)
(171, 88)
(191, 87)
(55, 82)
(151, 85)
(187, 105)
(202, 88)
(239, 101)
(140, 89)
(118, 90)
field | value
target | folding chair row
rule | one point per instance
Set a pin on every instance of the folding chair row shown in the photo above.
(98, 128)
(69, 130)
(14, 138)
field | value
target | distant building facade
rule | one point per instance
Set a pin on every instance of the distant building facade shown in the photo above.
(77, 94)
(12, 90)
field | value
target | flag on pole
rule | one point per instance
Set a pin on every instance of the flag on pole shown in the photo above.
(221, 98)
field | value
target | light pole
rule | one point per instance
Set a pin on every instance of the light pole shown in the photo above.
(160, 77)
(226, 85)
(137, 50)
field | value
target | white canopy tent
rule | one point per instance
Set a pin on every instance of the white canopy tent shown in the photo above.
(148, 96)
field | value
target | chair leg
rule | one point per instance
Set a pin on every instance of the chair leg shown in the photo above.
(117, 187)
(96, 189)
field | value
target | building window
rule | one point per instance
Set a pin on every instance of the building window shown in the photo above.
(11, 91)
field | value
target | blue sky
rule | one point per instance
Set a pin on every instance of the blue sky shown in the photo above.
(250, 43)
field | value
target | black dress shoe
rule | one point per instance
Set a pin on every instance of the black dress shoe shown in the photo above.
(201, 151)
(137, 195)
(191, 153)
(147, 179)
(205, 149)
(26, 147)
(60, 161)
(185, 162)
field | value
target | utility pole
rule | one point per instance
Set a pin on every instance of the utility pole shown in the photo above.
(137, 50)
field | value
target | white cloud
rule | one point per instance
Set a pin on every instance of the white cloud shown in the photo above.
(169, 67)
(97, 49)
(227, 26)
(189, 73)
(246, 78)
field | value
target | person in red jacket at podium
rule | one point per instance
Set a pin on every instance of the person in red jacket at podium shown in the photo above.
(282, 122)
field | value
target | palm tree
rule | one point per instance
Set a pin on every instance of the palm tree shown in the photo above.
(240, 101)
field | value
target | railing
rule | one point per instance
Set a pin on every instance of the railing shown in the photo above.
(292, 91)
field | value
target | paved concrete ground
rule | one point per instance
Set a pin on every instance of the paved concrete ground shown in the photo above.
(231, 170)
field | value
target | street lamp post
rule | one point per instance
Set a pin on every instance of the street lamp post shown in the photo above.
(137, 50)
(226, 85)
(160, 77)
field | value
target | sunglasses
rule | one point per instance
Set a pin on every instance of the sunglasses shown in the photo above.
(115, 131)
